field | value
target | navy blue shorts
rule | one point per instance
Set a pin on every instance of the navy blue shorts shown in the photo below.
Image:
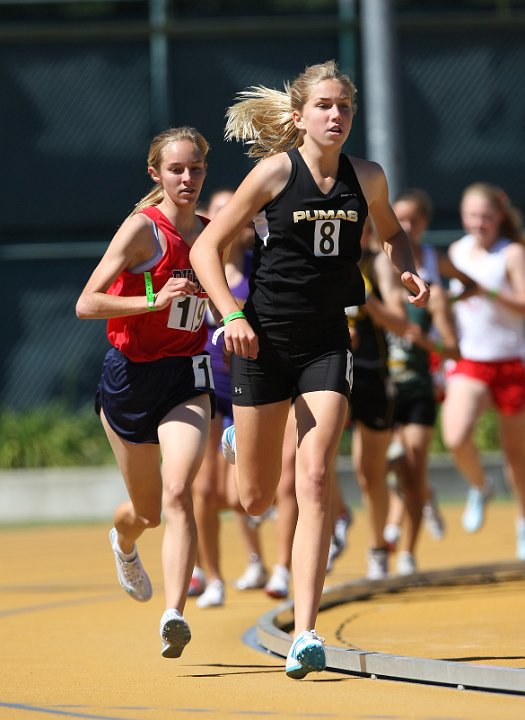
(137, 396)
(294, 358)
(372, 399)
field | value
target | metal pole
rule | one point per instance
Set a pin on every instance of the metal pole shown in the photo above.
(158, 16)
(381, 74)
(347, 43)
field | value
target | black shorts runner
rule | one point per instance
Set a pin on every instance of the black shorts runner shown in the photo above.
(372, 400)
(136, 396)
(294, 358)
(416, 410)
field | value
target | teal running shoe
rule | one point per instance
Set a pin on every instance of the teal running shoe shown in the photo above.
(229, 444)
(306, 655)
(474, 514)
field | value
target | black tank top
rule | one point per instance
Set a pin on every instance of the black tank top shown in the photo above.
(308, 246)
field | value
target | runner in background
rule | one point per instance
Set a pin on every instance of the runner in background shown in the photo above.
(491, 328)
(214, 487)
(430, 331)
(372, 398)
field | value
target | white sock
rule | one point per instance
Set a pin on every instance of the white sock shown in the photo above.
(127, 557)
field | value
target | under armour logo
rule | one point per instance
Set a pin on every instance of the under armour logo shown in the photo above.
(237, 390)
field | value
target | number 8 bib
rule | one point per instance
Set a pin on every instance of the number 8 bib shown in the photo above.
(326, 238)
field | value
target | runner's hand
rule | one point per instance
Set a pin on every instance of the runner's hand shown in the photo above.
(420, 292)
(240, 338)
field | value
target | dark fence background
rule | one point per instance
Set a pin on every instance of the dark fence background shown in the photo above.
(77, 116)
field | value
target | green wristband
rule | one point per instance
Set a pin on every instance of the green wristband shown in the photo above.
(150, 295)
(233, 316)
(492, 293)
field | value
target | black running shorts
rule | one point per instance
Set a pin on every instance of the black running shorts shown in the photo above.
(372, 400)
(416, 410)
(294, 358)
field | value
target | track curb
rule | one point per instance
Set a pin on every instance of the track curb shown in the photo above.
(272, 632)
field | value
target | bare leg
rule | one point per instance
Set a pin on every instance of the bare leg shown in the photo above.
(140, 468)
(208, 501)
(512, 433)
(369, 457)
(396, 509)
(259, 434)
(287, 509)
(466, 400)
(416, 441)
(320, 421)
(183, 435)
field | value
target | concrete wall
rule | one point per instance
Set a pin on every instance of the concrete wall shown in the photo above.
(84, 494)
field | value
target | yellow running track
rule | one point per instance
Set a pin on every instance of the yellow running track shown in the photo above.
(73, 645)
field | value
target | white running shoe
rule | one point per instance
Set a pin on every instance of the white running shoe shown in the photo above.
(433, 519)
(254, 577)
(254, 521)
(377, 564)
(131, 575)
(406, 563)
(391, 535)
(278, 585)
(229, 444)
(339, 541)
(474, 514)
(213, 596)
(333, 553)
(197, 582)
(174, 632)
(395, 451)
(343, 522)
(306, 655)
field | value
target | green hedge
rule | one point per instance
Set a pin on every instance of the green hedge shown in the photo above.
(52, 437)
(57, 437)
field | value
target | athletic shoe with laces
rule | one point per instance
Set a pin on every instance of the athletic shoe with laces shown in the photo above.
(213, 596)
(278, 585)
(406, 563)
(520, 539)
(131, 575)
(377, 564)
(474, 514)
(229, 444)
(174, 632)
(254, 577)
(306, 655)
(433, 518)
(197, 582)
